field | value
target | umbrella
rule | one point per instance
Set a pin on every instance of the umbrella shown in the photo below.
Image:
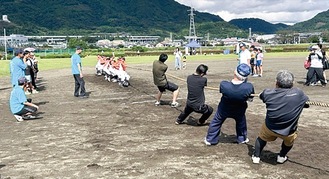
(29, 49)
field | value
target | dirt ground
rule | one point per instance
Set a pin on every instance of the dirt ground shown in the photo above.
(119, 133)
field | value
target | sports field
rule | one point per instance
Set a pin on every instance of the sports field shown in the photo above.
(119, 133)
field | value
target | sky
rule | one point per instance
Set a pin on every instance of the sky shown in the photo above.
(273, 11)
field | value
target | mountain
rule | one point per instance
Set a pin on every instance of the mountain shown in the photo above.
(258, 25)
(156, 17)
(320, 22)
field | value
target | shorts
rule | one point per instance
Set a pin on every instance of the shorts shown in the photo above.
(252, 61)
(259, 63)
(169, 86)
(268, 135)
(28, 78)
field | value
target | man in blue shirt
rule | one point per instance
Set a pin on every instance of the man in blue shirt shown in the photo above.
(17, 66)
(77, 74)
(233, 104)
(18, 102)
(284, 105)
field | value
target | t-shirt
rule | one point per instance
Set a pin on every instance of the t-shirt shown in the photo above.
(316, 59)
(17, 99)
(244, 56)
(159, 70)
(17, 70)
(284, 106)
(75, 60)
(234, 98)
(195, 87)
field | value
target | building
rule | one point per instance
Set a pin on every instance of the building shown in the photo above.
(144, 39)
(14, 40)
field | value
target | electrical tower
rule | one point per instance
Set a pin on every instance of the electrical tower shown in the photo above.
(192, 34)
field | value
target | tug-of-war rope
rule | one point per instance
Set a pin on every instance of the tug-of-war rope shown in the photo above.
(314, 103)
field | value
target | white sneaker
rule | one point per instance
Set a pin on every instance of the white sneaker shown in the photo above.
(245, 141)
(255, 159)
(157, 103)
(34, 92)
(174, 105)
(19, 118)
(281, 160)
(206, 142)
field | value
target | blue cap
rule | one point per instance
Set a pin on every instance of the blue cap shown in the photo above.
(22, 80)
(18, 51)
(243, 70)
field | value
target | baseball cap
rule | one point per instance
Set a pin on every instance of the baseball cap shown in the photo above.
(18, 51)
(315, 47)
(79, 48)
(22, 80)
(243, 70)
(242, 45)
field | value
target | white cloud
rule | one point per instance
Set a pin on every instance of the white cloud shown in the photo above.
(274, 11)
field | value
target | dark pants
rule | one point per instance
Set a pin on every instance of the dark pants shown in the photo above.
(33, 80)
(204, 109)
(26, 109)
(216, 124)
(313, 75)
(79, 85)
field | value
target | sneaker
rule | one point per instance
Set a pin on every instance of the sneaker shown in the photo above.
(174, 105)
(27, 93)
(255, 159)
(35, 92)
(29, 117)
(19, 118)
(177, 122)
(281, 160)
(245, 141)
(157, 103)
(255, 75)
(313, 84)
(260, 75)
(206, 142)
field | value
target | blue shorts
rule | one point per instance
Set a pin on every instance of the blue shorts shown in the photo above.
(169, 86)
(259, 63)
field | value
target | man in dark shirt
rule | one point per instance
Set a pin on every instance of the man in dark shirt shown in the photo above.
(284, 105)
(233, 104)
(195, 97)
(160, 80)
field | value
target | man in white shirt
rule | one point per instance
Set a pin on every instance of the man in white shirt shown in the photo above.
(244, 55)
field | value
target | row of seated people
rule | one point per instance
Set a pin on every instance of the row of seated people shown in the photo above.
(114, 70)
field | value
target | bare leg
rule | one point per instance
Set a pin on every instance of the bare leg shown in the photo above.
(175, 95)
(158, 96)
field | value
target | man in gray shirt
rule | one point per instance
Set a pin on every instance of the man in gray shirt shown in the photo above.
(284, 105)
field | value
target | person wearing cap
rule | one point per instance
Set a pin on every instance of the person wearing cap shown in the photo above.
(284, 105)
(244, 54)
(315, 72)
(195, 96)
(79, 88)
(19, 104)
(160, 80)
(17, 66)
(233, 104)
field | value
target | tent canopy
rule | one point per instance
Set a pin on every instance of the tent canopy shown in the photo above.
(193, 44)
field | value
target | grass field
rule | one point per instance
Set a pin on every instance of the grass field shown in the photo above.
(89, 61)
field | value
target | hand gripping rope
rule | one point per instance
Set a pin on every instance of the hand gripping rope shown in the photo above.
(255, 95)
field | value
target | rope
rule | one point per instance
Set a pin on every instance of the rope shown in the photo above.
(314, 103)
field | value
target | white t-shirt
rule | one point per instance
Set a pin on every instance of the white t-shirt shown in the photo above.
(178, 54)
(316, 60)
(244, 56)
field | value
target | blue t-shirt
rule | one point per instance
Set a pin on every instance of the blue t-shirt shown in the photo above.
(17, 70)
(17, 99)
(234, 98)
(75, 60)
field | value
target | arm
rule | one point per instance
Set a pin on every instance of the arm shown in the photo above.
(31, 104)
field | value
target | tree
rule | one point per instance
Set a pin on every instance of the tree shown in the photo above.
(74, 42)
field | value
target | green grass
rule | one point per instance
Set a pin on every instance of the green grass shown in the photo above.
(90, 61)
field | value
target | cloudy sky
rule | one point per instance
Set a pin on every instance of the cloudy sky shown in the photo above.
(274, 11)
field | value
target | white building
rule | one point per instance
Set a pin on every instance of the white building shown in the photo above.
(14, 40)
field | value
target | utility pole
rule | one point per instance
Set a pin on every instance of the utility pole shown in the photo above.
(5, 39)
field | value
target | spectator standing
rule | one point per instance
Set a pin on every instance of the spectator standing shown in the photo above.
(244, 54)
(77, 74)
(17, 66)
(315, 72)
(178, 56)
